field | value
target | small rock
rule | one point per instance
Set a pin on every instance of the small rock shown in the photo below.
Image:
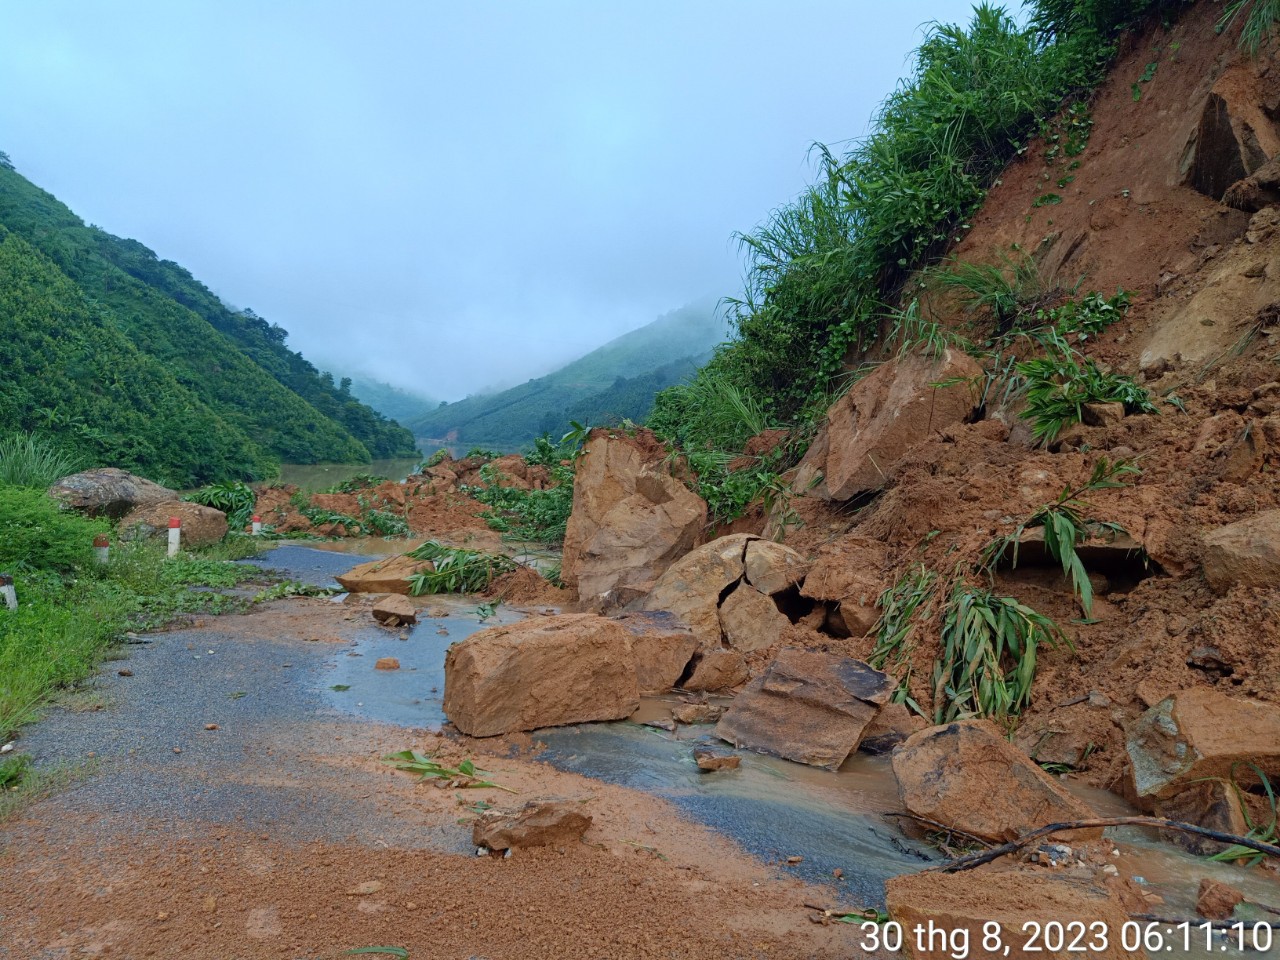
(838, 873)
(713, 760)
(387, 663)
(794, 860)
(395, 610)
(177, 749)
(1217, 901)
(365, 889)
(124, 672)
(691, 713)
(538, 823)
(211, 726)
(210, 904)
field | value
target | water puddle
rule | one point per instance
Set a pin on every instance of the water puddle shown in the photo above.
(774, 809)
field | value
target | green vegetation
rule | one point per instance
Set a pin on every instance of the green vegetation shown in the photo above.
(456, 570)
(988, 661)
(232, 497)
(614, 382)
(1268, 831)
(1260, 23)
(529, 516)
(30, 460)
(428, 768)
(1061, 383)
(71, 610)
(1066, 526)
(157, 374)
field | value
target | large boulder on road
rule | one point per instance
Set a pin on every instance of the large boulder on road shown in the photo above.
(631, 519)
(542, 672)
(108, 492)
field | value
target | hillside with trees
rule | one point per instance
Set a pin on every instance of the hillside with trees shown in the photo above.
(611, 383)
(121, 300)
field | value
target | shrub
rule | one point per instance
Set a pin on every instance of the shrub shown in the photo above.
(1059, 384)
(456, 570)
(234, 498)
(32, 460)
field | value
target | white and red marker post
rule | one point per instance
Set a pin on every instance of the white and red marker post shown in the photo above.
(257, 525)
(101, 548)
(6, 590)
(175, 535)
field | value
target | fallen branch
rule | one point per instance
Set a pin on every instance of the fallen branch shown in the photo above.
(995, 853)
(953, 831)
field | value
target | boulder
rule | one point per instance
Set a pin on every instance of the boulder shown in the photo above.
(201, 525)
(968, 776)
(850, 573)
(631, 519)
(543, 672)
(884, 415)
(957, 907)
(691, 587)
(1246, 552)
(395, 610)
(108, 492)
(691, 713)
(751, 620)
(716, 669)
(383, 576)
(1201, 733)
(810, 707)
(661, 648)
(772, 568)
(539, 823)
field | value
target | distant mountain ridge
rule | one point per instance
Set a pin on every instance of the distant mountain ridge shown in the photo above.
(88, 304)
(613, 382)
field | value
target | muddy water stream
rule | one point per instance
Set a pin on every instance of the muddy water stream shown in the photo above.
(775, 809)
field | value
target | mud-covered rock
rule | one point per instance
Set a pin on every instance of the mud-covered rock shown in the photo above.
(903, 403)
(968, 776)
(709, 760)
(108, 492)
(1201, 733)
(891, 725)
(809, 706)
(539, 823)
(395, 610)
(201, 525)
(773, 567)
(543, 672)
(849, 572)
(631, 519)
(1212, 804)
(383, 576)
(716, 669)
(958, 906)
(661, 648)
(692, 587)
(1246, 552)
(750, 620)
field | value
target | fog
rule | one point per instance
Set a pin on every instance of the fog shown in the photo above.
(444, 196)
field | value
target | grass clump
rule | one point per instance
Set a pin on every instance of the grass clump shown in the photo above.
(32, 460)
(1060, 384)
(989, 650)
(456, 570)
(1066, 526)
(234, 498)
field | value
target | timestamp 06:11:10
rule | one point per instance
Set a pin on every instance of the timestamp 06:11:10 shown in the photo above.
(1058, 937)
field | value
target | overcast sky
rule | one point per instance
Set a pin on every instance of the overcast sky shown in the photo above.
(445, 195)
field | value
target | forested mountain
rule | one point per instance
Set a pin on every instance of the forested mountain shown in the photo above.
(612, 382)
(81, 296)
(398, 404)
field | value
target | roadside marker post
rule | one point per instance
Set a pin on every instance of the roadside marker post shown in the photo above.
(257, 525)
(6, 590)
(175, 535)
(101, 549)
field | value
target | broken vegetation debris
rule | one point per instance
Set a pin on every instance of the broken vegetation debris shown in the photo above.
(464, 776)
